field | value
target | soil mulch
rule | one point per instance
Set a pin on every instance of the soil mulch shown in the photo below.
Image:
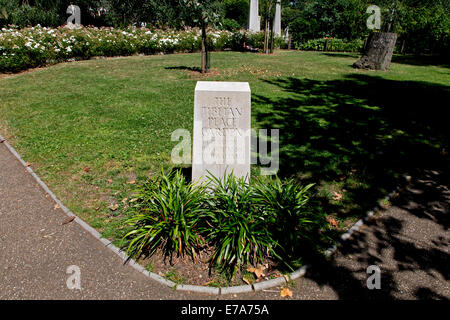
(185, 270)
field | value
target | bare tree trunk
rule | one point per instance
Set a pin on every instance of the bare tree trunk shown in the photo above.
(204, 50)
(266, 35)
(271, 36)
(378, 54)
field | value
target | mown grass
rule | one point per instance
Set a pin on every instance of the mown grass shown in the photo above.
(91, 128)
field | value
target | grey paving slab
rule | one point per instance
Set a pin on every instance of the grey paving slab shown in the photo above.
(36, 249)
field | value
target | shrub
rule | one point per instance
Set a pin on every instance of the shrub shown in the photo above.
(333, 45)
(26, 15)
(168, 214)
(244, 223)
(25, 48)
(236, 226)
(284, 204)
(230, 25)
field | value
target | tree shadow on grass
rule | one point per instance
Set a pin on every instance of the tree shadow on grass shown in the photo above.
(422, 60)
(361, 133)
(364, 133)
(195, 69)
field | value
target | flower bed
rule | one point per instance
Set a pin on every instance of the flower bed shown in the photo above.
(21, 49)
(227, 226)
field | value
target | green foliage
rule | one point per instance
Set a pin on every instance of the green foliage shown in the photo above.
(230, 25)
(168, 213)
(245, 224)
(423, 26)
(334, 44)
(200, 12)
(6, 7)
(26, 15)
(236, 10)
(32, 47)
(289, 221)
(256, 40)
(237, 226)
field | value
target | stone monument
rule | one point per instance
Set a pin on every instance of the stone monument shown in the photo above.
(222, 130)
(277, 20)
(254, 20)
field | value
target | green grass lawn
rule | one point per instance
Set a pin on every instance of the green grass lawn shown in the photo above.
(89, 127)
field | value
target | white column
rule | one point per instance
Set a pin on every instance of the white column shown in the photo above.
(253, 17)
(277, 21)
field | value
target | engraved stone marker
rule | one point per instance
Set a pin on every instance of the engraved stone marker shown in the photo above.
(222, 132)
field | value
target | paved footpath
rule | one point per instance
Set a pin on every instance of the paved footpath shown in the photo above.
(410, 242)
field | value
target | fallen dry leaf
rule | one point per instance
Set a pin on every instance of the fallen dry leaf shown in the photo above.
(55, 206)
(332, 221)
(109, 181)
(337, 196)
(131, 182)
(257, 271)
(124, 200)
(68, 220)
(286, 292)
(27, 164)
(86, 169)
(276, 275)
(113, 207)
(247, 281)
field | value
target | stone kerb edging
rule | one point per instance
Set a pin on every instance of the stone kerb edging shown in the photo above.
(194, 288)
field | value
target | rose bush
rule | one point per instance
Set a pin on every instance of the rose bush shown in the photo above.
(25, 48)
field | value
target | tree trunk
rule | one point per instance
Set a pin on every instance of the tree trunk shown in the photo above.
(204, 50)
(325, 48)
(271, 37)
(266, 35)
(402, 51)
(378, 54)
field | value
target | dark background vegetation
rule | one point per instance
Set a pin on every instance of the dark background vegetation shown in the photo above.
(423, 25)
